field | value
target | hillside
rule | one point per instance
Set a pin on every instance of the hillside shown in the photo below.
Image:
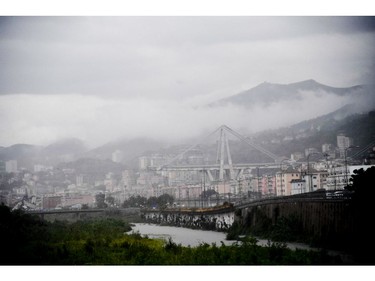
(331, 111)
(130, 149)
(266, 94)
(316, 132)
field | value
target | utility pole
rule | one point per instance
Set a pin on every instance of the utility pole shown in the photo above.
(204, 187)
(258, 183)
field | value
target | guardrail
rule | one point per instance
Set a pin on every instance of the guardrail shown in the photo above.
(321, 195)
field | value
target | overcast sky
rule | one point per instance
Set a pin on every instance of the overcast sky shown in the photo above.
(103, 78)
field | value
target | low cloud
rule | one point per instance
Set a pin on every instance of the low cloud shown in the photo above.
(41, 119)
(105, 78)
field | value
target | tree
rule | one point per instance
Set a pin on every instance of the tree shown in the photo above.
(135, 201)
(208, 193)
(363, 185)
(152, 202)
(110, 200)
(164, 200)
(100, 200)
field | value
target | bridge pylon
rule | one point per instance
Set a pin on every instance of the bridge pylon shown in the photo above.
(224, 146)
(223, 170)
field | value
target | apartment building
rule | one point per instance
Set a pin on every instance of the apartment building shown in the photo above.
(284, 181)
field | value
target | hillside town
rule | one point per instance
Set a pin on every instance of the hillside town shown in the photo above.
(48, 187)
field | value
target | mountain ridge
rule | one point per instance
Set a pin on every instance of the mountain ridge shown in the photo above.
(263, 93)
(269, 93)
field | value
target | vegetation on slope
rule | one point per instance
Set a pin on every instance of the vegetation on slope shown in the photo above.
(30, 241)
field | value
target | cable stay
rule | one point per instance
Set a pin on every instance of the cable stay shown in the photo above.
(363, 150)
(187, 150)
(253, 145)
(222, 146)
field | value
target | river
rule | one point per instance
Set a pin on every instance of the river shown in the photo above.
(193, 237)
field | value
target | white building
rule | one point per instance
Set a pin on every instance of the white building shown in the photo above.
(316, 180)
(11, 166)
(298, 186)
(296, 156)
(338, 178)
(157, 160)
(117, 156)
(128, 178)
(144, 162)
(80, 179)
(343, 143)
(327, 147)
(329, 150)
(41, 168)
(321, 165)
(310, 150)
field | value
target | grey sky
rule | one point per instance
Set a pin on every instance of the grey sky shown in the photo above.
(63, 76)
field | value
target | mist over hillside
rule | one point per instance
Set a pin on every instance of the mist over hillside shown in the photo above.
(99, 121)
(308, 95)
(266, 94)
(290, 108)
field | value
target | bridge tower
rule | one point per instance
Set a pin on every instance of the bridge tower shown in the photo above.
(223, 172)
(224, 146)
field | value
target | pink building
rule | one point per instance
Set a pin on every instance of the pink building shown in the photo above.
(51, 202)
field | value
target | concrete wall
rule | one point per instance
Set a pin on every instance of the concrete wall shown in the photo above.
(325, 220)
(316, 218)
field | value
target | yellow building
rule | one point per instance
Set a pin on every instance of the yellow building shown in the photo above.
(284, 181)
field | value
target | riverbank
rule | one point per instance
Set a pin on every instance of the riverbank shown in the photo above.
(32, 241)
(188, 237)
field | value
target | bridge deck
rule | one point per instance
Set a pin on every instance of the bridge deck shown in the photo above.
(46, 212)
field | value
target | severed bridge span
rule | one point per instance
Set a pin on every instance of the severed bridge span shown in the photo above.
(224, 168)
